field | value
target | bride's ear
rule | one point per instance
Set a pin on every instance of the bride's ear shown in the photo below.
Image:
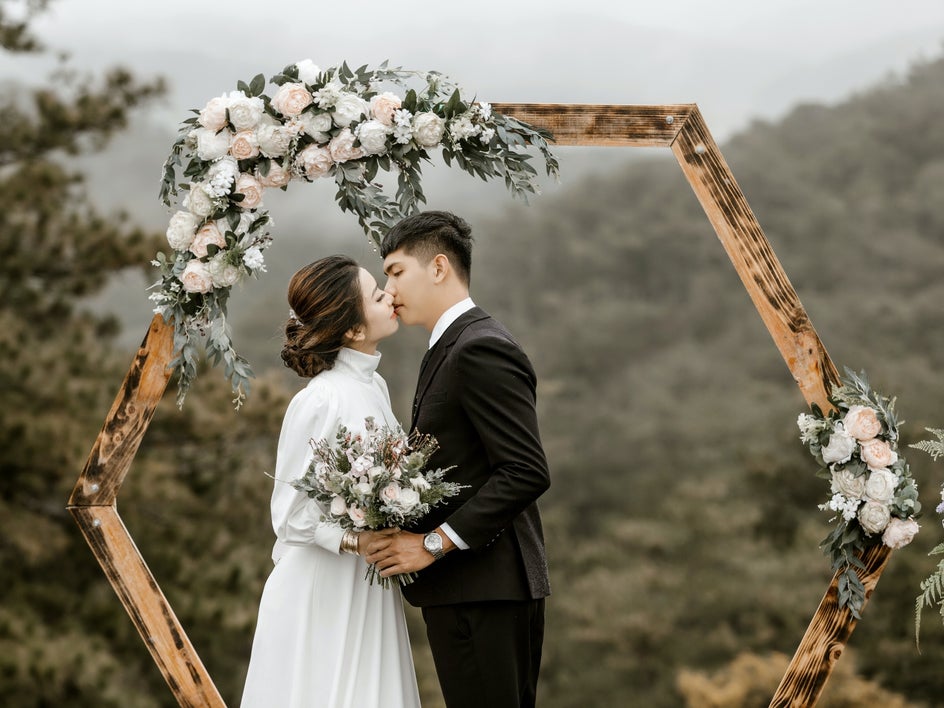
(355, 334)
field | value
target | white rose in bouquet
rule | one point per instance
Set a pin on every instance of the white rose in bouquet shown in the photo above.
(213, 115)
(199, 202)
(180, 231)
(372, 135)
(840, 448)
(338, 507)
(244, 145)
(314, 161)
(899, 532)
(862, 423)
(356, 514)
(390, 493)
(207, 235)
(348, 108)
(245, 112)
(308, 71)
(211, 145)
(409, 498)
(342, 147)
(196, 278)
(427, 129)
(249, 187)
(880, 486)
(873, 516)
(847, 483)
(223, 273)
(878, 454)
(291, 99)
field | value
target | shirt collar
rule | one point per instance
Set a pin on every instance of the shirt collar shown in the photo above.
(448, 317)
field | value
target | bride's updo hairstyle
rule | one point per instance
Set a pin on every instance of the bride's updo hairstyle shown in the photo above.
(325, 297)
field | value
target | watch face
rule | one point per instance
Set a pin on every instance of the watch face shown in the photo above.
(432, 542)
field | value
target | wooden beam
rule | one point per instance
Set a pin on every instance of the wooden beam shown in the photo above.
(146, 605)
(128, 419)
(92, 504)
(603, 125)
(826, 637)
(755, 261)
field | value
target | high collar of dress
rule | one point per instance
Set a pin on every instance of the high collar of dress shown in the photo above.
(360, 365)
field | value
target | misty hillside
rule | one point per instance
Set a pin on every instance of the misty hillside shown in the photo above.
(682, 522)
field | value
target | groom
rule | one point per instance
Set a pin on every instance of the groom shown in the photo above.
(483, 572)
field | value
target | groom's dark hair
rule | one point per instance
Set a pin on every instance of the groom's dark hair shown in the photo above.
(428, 233)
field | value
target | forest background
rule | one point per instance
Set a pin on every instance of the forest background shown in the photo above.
(682, 523)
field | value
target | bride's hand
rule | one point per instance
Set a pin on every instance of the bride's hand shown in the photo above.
(372, 541)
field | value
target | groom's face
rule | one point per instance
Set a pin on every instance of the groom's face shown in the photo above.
(410, 283)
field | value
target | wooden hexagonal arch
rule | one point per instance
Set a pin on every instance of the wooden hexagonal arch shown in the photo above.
(679, 127)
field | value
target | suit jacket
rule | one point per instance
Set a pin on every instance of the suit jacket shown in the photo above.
(476, 396)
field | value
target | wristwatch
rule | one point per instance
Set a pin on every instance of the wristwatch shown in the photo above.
(433, 543)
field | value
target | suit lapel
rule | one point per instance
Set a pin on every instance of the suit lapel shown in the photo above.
(436, 355)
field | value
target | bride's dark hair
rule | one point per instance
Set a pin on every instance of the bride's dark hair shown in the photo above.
(325, 297)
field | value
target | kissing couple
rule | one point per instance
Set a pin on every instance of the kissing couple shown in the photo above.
(325, 637)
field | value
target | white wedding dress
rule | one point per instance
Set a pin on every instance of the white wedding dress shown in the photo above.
(325, 638)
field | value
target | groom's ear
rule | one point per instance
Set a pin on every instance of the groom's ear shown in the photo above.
(440, 267)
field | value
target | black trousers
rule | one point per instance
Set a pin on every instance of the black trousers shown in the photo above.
(487, 653)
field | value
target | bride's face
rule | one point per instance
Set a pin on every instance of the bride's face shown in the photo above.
(380, 319)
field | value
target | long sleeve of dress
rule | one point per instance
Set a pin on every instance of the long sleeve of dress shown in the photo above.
(296, 518)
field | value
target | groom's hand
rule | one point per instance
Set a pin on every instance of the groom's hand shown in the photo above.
(402, 553)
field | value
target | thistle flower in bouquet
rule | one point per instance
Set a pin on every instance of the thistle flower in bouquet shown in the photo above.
(873, 494)
(375, 480)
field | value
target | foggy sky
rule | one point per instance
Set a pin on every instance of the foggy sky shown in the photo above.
(737, 59)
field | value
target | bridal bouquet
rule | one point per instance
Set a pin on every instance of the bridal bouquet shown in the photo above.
(375, 481)
(872, 491)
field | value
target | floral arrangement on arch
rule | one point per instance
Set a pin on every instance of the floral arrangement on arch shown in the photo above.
(872, 491)
(336, 123)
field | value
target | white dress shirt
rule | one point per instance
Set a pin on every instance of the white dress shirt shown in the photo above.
(442, 324)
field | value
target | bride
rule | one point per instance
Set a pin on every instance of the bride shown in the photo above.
(324, 636)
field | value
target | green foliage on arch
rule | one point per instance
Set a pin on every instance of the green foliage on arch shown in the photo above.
(338, 123)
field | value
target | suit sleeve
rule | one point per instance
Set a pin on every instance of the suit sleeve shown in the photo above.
(497, 393)
(296, 518)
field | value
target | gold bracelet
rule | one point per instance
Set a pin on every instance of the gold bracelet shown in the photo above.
(350, 542)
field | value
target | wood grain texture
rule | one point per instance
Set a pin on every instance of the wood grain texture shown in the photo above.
(826, 638)
(146, 605)
(754, 260)
(603, 125)
(806, 357)
(128, 419)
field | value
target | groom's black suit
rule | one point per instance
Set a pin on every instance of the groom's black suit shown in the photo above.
(476, 396)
